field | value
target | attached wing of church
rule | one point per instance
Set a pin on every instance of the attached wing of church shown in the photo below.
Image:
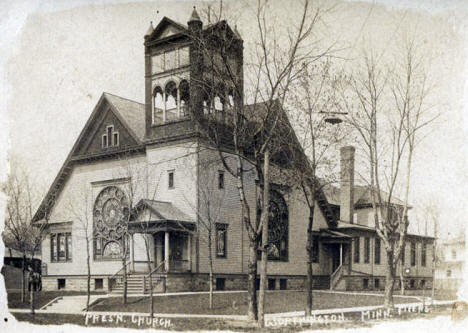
(141, 192)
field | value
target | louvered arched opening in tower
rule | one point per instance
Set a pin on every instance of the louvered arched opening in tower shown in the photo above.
(171, 101)
(184, 95)
(158, 105)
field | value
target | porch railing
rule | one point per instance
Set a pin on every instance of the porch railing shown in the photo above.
(179, 265)
(335, 277)
(150, 274)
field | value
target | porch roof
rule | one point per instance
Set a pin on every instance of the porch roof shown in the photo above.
(160, 216)
(332, 236)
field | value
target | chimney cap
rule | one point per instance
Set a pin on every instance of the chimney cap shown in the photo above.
(347, 148)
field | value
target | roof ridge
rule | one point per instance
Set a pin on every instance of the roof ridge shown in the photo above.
(124, 98)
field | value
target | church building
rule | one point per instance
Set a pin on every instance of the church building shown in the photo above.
(141, 192)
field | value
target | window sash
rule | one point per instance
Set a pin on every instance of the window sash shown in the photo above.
(423, 254)
(315, 250)
(357, 250)
(170, 181)
(413, 254)
(60, 246)
(377, 251)
(221, 240)
(367, 250)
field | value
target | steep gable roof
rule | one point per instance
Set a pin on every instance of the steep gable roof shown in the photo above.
(168, 25)
(286, 135)
(131, 115)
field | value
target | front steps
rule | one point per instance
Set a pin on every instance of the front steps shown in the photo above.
(138, 284)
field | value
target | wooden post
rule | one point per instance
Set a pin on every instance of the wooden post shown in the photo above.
(189, 252)
(341, 254)
(166, 251)
(164, 105)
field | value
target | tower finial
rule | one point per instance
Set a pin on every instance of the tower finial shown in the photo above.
(194, 16)
(150, 29)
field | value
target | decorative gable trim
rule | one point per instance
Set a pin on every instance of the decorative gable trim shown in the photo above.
(57, 185)
(162, 25)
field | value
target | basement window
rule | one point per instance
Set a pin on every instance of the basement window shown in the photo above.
(283, 284)
(61, 284)
(220, 283)
(377, 283)
(98, 284)
(271, 284)
(365, 283)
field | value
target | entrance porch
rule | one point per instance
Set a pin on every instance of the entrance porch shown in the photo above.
(338, 246)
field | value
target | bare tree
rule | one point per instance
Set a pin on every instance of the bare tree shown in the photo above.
(81, 209)
(18, 228)
(390, 109)
(247, 137)
(316, 111)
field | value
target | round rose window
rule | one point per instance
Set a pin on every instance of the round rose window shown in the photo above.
(111, 213)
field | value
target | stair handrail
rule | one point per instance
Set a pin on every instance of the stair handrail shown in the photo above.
(121, 268)
(155, 269)
(334, 275)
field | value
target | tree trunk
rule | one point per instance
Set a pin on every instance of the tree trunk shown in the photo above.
(124, 266)
(264, 221)
(252, 288)
(402, 279)
(389, 281)
(310, 240)
(32, 298)
(88, 280)
(210, 258)
(23, 280)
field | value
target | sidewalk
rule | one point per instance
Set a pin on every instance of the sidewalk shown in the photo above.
(74, 305)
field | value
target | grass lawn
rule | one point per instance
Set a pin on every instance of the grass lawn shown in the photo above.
(236, 303)
(41, 298)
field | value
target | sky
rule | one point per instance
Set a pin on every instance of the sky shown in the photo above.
(58, 57)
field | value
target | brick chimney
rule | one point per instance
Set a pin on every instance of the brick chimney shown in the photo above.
(347, 184)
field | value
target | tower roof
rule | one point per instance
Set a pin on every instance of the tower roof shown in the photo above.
(194, 16)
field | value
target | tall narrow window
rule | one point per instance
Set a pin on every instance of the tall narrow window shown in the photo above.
(61, 247)
(69, 246)
(367, 250)
(221, 240)
(315, 249)
(110, 129)
(423, 254)
(403, 254)
(53, 247)
(413, 254)
(220, 179)
(170, 180)
(115, 141)
(357, 250)
(104, 141)
(377, 251)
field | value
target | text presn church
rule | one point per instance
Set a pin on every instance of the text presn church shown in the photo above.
(143, 169)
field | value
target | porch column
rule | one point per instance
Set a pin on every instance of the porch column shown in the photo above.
(166, 251)
(341, 254)
(164, 106)
(189, 251)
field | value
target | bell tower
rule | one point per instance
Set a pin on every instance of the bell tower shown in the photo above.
(190, 69)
